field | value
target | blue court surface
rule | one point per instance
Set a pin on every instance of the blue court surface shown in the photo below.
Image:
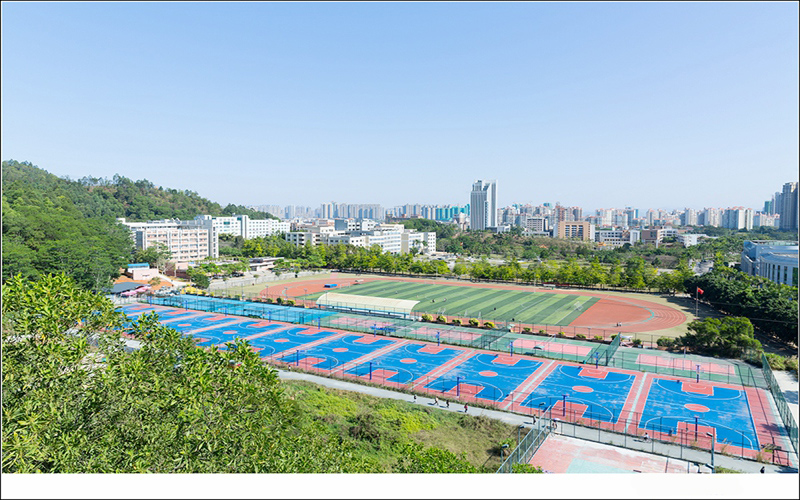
(725, 409)
(338, 351)
(228, 334)
(481, 377)
(604, 398)
(407, 362)
(284, 340)
(243, 308)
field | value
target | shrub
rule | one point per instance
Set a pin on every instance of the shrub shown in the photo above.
(474, 322)
(791, 364)
(542, 332)
(776, 362)
(290, 302)
(441, 319)
(279, 300)
(456, 322)
(562, 334)
(598, 337)
(527, 329)
(268, 300)
(488, 324)
(637, 342)
(666, 342)
(427, 317)
(580, 336)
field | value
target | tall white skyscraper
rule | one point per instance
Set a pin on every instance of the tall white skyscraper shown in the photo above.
(483, 205)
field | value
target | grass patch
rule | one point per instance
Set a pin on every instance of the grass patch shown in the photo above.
(378, 428)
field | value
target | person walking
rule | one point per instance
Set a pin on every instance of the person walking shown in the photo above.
(466, 408)
(447, 404)
(415, 398)
(436, 400)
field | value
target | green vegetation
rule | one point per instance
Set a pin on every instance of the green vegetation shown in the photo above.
(384, 430)
(770, 306)
(74, 401)
(729, 337)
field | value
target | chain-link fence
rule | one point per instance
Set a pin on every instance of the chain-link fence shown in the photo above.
(780, 402)
(594, 422)
(526, 448)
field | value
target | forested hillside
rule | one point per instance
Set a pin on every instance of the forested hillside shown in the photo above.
(53, 225)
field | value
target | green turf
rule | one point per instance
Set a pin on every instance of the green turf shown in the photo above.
(487, 303)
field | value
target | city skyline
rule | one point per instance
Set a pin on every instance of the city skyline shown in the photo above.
(300, 103)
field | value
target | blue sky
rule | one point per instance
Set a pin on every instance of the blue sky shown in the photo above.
(651, 105)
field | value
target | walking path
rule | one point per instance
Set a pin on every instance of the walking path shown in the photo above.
(789, 385)
(564, 428)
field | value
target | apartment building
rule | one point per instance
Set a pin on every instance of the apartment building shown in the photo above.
(244, 226)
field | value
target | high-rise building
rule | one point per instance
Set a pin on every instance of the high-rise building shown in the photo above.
(483, 205)
(689, 217)
(788, 207)
(738, 218)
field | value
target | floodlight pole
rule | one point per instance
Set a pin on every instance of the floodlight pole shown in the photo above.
(458, 386)
(564, 404)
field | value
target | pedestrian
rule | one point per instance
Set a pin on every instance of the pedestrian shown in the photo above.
(763, 469)
(465, 408)
(447, 404)
(554, 425)
(436, 400)
(415, 398)
(646, 437)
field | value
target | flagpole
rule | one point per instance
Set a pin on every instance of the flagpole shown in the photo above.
(696, 290)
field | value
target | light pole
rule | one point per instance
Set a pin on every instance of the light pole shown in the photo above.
(370, 370)
(458, 386)
(695, 427)
(297, 356)
(564, 404)
(713, 445)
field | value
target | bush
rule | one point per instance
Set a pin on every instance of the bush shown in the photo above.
(562, 334)
(542, 332)
(527, 329)
(279, 300)
(791, 364)
(488, 324)
(637, 342)
(427, 317)
(776, 362)
(474, 322)
(598, 338)
(665, 342)
(441, 319)
(580, 336)
(456, 322)
(290, 302)
(268, 300)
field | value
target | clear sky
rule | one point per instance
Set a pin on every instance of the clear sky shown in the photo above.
(600, 105)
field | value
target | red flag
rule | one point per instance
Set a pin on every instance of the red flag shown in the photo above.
(700, 290)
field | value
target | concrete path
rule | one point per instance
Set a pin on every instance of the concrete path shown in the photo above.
(590, 434)
(789, 385)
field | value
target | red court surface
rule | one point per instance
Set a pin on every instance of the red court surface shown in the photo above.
(636, 315)
(565, 455)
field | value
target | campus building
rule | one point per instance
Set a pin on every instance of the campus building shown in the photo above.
(616, 237)
(775, 260)
(392, 238)
(574, 230)
(186, 241)
(244, 226)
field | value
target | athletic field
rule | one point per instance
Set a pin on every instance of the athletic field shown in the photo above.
(468, 302)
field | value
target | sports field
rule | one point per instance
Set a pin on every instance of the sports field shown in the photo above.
(495, 304)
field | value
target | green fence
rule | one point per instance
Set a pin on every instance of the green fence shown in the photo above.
(780, 401)
(526, 448)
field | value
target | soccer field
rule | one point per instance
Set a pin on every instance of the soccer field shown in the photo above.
(472, 302)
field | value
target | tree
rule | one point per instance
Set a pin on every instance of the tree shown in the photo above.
(156, 256)
(728, 336)
(167, 407)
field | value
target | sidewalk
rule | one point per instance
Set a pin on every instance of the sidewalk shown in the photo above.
(565, 428)
(789, 385)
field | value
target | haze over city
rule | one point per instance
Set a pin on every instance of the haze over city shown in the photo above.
(651, 105)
